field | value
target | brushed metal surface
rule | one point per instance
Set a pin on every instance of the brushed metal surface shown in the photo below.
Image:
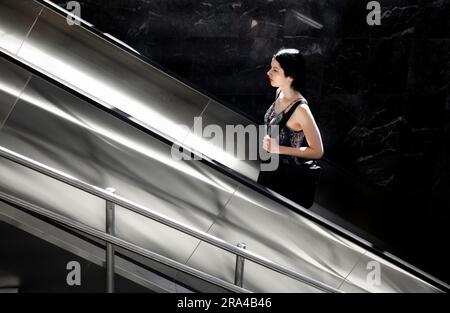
(12, 81)
(111, 75)
(287, 239)
(210, 133)
(89, 144)
(256, 278)
(392, 279)
(117, 79)
(16, 19)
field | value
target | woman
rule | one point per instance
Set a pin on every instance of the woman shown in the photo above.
(299, 141)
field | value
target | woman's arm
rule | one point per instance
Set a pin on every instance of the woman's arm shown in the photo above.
(304, 118)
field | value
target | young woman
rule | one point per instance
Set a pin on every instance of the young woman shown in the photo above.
(299, 141)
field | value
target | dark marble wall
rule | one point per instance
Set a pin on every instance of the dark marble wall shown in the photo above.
(379, 93)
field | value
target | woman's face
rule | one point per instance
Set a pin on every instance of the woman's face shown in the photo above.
(276, 75)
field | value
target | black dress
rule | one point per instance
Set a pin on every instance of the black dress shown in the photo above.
(295, 178)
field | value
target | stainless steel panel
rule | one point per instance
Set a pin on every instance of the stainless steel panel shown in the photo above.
(16, 19)
(64, 200)
(391, 278)
(89, 144)
(256, 278)
(12, 81)
(224, 148)
(111, 75)
(35, 188)
(350, 288)
(281, 236)
(117, 79)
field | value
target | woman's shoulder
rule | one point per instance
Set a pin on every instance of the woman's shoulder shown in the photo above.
(303, 100)
(301, 104)
(302, 110)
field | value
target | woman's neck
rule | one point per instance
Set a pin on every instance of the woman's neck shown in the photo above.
(290, 93)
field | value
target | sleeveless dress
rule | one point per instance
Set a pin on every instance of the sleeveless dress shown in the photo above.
(292, 178)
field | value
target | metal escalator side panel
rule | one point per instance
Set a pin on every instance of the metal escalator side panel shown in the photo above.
(287, 239)
(237, 148)
(297, 243)
(117, 79)
(111, 76)
(375, 275)
(57, 129)
(16, 19)
(12, 83)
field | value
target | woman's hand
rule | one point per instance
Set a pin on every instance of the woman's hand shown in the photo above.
(270, 145)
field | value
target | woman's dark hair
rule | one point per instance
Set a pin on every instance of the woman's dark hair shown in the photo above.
(293, 65)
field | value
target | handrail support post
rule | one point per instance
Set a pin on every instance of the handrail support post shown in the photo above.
(239, 272)
(110, 229)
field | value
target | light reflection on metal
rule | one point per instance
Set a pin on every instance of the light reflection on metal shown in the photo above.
(307, 20)
(209, 149)
(108, 95)
(9, 89)
(180, 166)
(120, 42)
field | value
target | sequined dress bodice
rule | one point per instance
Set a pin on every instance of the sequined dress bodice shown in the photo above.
(287, 136)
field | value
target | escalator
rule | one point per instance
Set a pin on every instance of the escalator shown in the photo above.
(80, 105)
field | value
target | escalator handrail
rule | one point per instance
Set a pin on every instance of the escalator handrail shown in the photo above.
(41, 73)
(160, 218)
(116, 241)
(121, 45)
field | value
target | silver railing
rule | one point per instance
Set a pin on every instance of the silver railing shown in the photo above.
(111, 198)
(115, 241)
